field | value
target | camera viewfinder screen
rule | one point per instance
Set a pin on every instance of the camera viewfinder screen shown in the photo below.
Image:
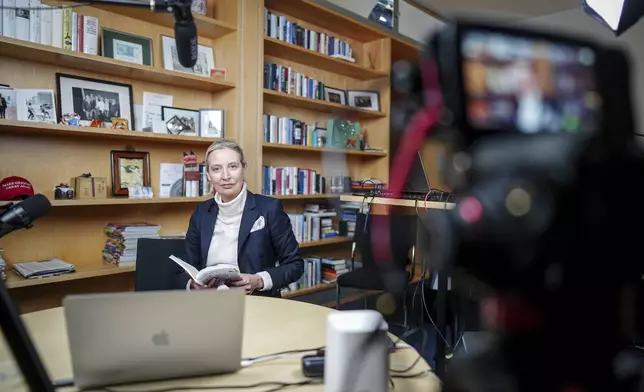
(528, 85)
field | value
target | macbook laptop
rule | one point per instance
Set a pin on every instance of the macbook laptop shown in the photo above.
(143, 336)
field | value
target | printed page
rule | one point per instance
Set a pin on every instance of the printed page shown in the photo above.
(191, 270)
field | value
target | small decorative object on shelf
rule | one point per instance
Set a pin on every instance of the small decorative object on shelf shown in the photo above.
(198, 6)
(211, 122)
(63, 192)
(87, 187)
(120, 124)
(219, 73)
(343, 134)
(191, 174)
(140, 192)
(70, 119)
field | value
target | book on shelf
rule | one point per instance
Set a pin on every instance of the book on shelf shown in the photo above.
(3, 266)
(313, 225)
(332, 268)
(311, 277)
(43, 269)
(348, 216)
(33, 21)
(291, 180)
(285, 130)
(284, 79)
(121, 244)
(278, 27)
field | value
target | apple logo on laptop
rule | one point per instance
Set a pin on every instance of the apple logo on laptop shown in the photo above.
(161, 339)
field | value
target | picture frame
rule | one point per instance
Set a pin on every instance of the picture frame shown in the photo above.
(94, 98)
(212, 123)
(335, 95)
(189, 117)
(8, 109)
(129, 169)
(127, 47)
(36, 106)
(205, 58)
(364, 99)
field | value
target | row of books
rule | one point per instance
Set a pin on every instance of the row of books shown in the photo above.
(284, 130)
(3, 266)
(291, 180)
(280, 78)
(313, 226)
(30, 20)
(121, 244)
(278, 27)
(319, 270)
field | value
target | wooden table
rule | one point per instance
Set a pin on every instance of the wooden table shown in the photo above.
(271, 325)
(420, 204)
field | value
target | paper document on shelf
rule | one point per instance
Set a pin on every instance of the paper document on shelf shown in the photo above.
(190, 269)
(152, 112)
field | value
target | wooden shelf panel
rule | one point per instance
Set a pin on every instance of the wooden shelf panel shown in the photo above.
(403, 50)
(126, 201)
(45, 54)
(291, 147)
(15, 281)
(24, 127)
(326, 241)
(206, 27)
(436, 205)
(319, 105)
(313, 12)
(298, 54)
(305, 197)
(310, 290)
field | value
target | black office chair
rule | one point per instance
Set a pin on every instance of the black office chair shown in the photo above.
(371, 276)
(154, 270)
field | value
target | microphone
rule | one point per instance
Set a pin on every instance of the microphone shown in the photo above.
(185, 33)
(22, 215)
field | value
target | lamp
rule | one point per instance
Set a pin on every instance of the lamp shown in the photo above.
(618, 15)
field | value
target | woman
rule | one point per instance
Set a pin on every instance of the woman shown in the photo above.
(240, 228)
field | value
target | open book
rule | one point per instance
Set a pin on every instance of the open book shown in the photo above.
(222, 272)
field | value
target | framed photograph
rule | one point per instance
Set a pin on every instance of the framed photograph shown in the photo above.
(122, 46)
(335, 95)
(8, 110)
(129, 169)
(36, 106)
(198, 6)
(211, 122)
(94, 99)
(190, 119)
(205, 58)
(368, 100)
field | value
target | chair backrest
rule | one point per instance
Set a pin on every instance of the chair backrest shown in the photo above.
(402, 232)
(154, 270)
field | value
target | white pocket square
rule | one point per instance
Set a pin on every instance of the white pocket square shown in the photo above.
(259, 224)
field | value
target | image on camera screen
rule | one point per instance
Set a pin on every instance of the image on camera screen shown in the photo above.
(528, 85)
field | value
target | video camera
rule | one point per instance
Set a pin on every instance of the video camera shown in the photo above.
(547, 173)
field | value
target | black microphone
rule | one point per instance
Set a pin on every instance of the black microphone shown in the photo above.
(185, 33)
(22, 215)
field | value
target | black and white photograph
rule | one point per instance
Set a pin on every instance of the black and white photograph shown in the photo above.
(8, 104)
(189, 117)
(335, 95)
(36, 105)
(94, 99)
(212, 123)
(367, 100)
(205, 58)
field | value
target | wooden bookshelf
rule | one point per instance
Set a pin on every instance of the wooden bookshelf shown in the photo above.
(307, 197)
(326, 241)
(28, 51)
(314, 289)
(126, 201)
(324, 150)
(14, 281)
(319, 105)
(298, 54)
(57, 130)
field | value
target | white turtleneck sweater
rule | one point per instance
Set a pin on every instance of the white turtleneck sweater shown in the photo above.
(224, 244)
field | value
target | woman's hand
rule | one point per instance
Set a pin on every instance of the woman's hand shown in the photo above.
(211, 284)
(248, 282)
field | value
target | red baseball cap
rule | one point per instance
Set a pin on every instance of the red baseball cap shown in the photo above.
(15, 188)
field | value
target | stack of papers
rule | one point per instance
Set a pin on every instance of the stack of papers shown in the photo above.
(42, 269)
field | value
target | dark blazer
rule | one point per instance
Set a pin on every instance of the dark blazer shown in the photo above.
(256, 251)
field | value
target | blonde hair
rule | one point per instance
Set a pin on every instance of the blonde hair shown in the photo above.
(226, 144)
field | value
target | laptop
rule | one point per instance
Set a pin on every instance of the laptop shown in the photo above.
(143, 336)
